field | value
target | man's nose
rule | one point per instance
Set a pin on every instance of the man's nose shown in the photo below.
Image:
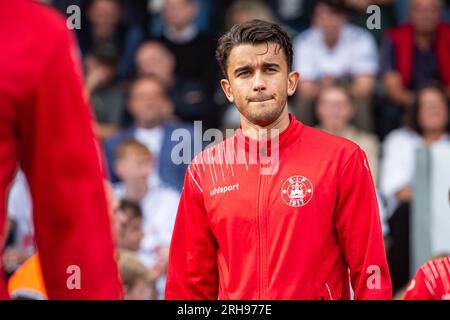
(259, 83)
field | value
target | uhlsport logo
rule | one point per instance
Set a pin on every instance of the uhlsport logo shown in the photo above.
(296, 191)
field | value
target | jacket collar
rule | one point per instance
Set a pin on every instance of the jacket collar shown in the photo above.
(264, 147)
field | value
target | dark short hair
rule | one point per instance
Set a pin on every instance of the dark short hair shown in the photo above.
(412, 120)
(131, 209)
(253, 32)
(340, 85)
(105, 53)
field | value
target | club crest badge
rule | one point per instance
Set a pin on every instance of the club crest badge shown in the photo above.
(297, 191)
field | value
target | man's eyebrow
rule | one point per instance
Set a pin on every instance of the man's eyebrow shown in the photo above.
(271, 65)
(248, 67)
(240, 69)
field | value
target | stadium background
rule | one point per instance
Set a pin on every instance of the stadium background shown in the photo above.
(149, 68)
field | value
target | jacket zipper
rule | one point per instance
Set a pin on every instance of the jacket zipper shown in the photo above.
(262, 235)
(258, 243)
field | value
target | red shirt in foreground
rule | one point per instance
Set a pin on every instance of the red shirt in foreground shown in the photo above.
(45, 125)
(287, 229)
(431, 282)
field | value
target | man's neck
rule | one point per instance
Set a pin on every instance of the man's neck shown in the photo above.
(261, 132)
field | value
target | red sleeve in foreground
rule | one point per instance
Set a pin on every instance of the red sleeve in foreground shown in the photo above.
(61, 162)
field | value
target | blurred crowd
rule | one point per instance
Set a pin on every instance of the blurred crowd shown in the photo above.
(150, 69)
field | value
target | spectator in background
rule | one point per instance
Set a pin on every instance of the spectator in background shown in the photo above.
(331, 50)
(103, 25)
(243, 10)
(430, 126)
(106, 93)
(209, 18)
(159, 205)
(193, 51)
(295, 14)
(129, 229)
(191, 98)
(136, 279)
(401, 8)
(412, 55)
(152, 110)
(335, 110)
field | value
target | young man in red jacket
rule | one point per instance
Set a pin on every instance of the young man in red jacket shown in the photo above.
(46, 126)
(291, 216)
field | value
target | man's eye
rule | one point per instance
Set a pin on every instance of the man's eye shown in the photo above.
(243, 73)
(271, 70)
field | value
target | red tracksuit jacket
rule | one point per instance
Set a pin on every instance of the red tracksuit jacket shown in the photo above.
(431, 282)
(45, 124)
(245, 232)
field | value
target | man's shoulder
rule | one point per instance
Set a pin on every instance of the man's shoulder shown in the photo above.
(336, 152)
(210, 153)
(31, 20)
(44, 18)
(327, 143)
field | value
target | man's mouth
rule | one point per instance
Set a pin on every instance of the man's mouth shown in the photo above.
(261, 99)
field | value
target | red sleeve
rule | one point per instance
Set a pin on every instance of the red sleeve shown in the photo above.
(419, 288)
(192, 271)
(60, 159)
(357, 221)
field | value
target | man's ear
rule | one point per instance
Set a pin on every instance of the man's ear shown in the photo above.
(293, 79)
(226, 87)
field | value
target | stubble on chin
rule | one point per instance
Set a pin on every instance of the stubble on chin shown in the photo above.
(264, 115)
